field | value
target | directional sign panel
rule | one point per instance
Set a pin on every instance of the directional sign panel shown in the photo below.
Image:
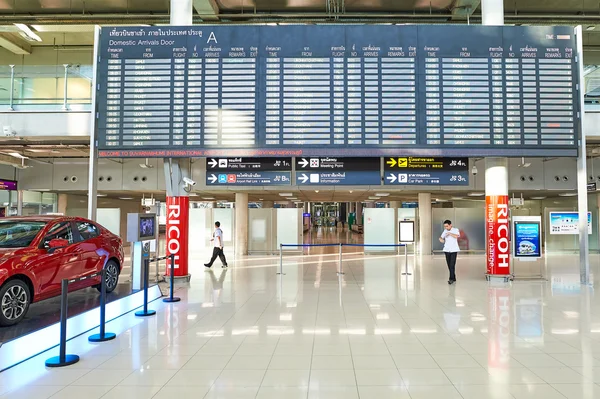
(437, 163)
(427, 178)
(248, 179)
(338, 178)
(337, 164)
(247, 164)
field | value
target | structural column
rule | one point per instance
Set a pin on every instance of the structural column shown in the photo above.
(20, 202)
(178, 200)
(496, 217)
(268, 204)
(394, 204)
(425, 223)
(359, 212)
(62, 204)
(241, 224)
(496, 181)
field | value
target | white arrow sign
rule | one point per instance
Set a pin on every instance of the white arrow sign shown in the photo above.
(212, 163)
(213, 178)
(304, 178)
(392, 178)
(303, 163)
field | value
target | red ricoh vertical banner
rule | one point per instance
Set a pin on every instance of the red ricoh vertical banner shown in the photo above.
(177, 234)
(497, 235)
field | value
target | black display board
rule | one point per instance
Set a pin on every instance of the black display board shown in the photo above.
(359, 90)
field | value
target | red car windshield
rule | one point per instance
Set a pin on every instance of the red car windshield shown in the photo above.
(18, 234)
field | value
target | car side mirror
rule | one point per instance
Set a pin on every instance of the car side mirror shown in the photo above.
(57, 243)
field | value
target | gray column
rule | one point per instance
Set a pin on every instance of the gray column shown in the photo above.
(268, 204)
(395, 204)
(181, 12)
(582, 199)
(371, 204)
(92, 205)
(359, 212)
(20, 202)
(290, 204)
(241, 224)
(62, 204)
(425, 223)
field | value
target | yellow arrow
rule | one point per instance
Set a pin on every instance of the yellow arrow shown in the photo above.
(391, 162)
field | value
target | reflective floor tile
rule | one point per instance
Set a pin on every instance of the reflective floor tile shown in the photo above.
(280, 393)
(383, 392)
(389, 377)
(286, 378)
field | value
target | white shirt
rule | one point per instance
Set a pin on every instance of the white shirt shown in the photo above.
(218, 234)
(451, 243)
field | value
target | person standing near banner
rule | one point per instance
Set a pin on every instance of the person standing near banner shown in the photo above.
(450, 240)
(218, 247)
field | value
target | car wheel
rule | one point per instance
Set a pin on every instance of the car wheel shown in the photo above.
(111, 276)
(14, 302)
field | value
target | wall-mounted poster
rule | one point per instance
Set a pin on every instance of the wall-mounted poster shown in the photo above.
(527, 238)
(567, 222)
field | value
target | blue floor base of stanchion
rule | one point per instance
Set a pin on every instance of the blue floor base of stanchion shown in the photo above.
(55, 361)
(98, 338)
(171, 300)
(141, 313)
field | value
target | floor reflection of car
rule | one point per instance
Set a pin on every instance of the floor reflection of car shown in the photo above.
(38, 252)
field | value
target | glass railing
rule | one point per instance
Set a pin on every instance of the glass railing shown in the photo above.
(45, 87)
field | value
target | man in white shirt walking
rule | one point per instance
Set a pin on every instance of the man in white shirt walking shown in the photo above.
(450, 240)
(218, 247)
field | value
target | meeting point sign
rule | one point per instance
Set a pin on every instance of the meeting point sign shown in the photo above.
(498, 235)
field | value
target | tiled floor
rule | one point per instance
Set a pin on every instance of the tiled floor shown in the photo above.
(373, 333)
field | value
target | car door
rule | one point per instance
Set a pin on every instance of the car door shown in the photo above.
(51, 267)
(93, 255)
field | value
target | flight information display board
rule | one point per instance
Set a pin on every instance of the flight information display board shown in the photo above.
(352, 90)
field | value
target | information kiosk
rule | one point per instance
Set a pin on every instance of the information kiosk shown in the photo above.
(141, 233)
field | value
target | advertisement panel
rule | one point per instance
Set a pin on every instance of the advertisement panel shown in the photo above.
(567, 222)
(527, 238)
(178, 209)
(497, 232)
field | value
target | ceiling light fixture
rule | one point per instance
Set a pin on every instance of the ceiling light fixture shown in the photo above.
(208, 198)
(286, 194)
(538, 198)
(478, 194)
(382, 194)
(27, 33)
(126, 198)
(591, 27)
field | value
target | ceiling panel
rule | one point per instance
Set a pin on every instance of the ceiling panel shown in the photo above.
(83, 6)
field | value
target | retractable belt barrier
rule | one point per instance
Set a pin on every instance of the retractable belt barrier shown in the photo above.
(64, 359)
(341, 245)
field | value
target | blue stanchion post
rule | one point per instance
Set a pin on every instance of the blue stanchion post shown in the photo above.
(63, 359)
(146, 312)
(172, 298)
(103, 336)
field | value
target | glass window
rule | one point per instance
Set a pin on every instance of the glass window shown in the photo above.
(60, 231)
(18, 234)
(87, 230)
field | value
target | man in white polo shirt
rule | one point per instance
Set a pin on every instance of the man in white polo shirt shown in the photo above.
(218, 247)
(450, 240)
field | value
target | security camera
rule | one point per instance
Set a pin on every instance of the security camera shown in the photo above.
(189, 181)
(474, 170)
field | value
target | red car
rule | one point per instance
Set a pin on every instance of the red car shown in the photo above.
(38, 252)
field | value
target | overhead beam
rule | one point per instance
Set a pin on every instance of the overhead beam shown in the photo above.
(207, 9)
(14, 43)
(463, 9)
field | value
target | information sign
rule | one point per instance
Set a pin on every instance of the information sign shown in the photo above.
(567, 222)
(527, 237)
(249, 178)
(352, 90)
(426, 171)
